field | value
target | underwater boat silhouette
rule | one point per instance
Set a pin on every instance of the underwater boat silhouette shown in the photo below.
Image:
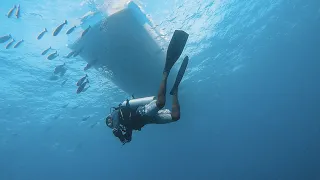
(126, 50)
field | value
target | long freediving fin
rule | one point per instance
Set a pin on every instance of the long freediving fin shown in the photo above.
(175, 48)
(179, 77)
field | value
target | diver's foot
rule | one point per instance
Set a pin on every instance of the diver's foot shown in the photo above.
(175, 48)
(179, 77)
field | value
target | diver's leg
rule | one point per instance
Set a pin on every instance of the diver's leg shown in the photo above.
(165, 116)
(161, 101)
(175, 114)
(175, 48)
(174, 91)
(152, 109)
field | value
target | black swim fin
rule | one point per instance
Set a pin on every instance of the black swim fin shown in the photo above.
(176, 46)
(179, 77)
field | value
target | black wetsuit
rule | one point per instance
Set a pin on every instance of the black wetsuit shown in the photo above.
(126, 121)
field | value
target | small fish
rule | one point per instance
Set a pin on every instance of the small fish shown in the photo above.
(70, 54)
(63, 72)
(64, 82)
(85, 31)
(18, 11)
(66, 105)
(18, 43)
(10, 44)
(58, 29)
(71, 29)
(85, 118)
(88, 66)
(57, 116)
(5, 38)
(75, 107)
(46, 51)
(81, 87)
(86, 16)
(81, 80)
(76, 53)
(59, 68)
(42, 33)
(53, 55)
(36, 14)
(93, 125)
(11, 10)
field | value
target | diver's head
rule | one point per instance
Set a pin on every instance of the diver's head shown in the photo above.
(112, 119)
(109, 121)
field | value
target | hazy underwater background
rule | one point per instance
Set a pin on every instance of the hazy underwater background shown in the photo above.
(250, 98)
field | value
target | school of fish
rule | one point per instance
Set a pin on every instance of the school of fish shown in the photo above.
(83, 83)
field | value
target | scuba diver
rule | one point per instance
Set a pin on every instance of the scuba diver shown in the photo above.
(136, 113)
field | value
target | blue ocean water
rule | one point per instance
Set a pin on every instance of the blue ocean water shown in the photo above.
(250, 106)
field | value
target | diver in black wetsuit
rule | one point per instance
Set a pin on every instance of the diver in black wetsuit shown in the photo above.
(128, 117)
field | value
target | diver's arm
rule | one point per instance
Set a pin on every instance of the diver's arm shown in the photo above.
(128, 134)
(118, 134)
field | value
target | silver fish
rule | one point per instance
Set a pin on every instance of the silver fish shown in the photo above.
(75, 107)
(58, 29)
(46, 51)
(18, 43)
(11, 10)
(64, 82)
(59, 68)
(71, 29)
(5, 38)
(81, 80)
(88, 66)
(93, 125)
(85, 31)
(81, 87)
(53, 55)
(70, 54)
(66, 105)
(42, 33)
(85, 118)
(86, 16)
(10, 44)
(57, 116)
(18, 11)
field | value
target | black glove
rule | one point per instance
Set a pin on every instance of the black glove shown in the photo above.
(128, 137)
(118, 134)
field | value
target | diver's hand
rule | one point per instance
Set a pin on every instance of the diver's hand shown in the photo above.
(118, 134)
(126, 141)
